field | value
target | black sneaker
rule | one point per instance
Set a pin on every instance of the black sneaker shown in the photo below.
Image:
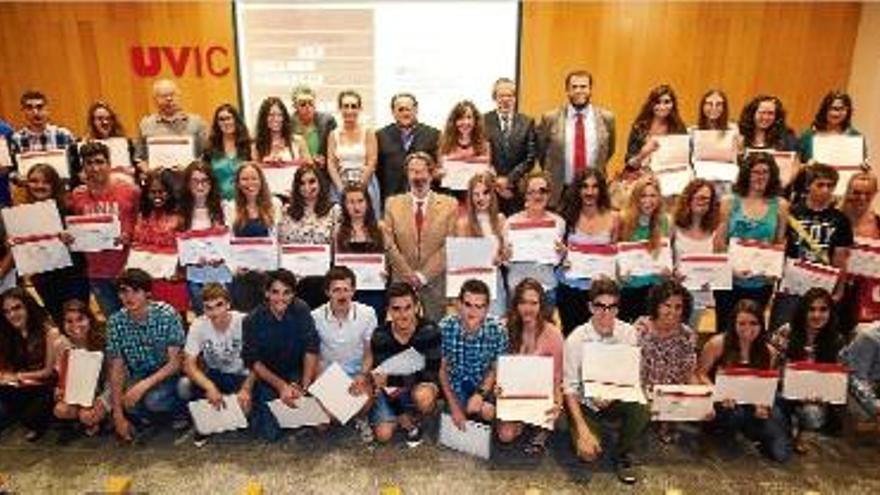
(199, 440)
(625, 471)
(414, 437)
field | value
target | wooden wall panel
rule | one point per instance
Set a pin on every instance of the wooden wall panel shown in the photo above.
(797, 51)
(77, 53)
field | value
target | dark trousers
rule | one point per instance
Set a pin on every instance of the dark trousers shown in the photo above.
(773, 433)
(632, 419)
(31, 405)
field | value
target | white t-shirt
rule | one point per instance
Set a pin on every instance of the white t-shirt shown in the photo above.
(221, 350)
(343, 340)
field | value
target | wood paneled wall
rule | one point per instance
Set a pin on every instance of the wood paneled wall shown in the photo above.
(797, 51)
(77, 53)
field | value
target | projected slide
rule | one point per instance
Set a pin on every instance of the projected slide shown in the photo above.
(442, 52)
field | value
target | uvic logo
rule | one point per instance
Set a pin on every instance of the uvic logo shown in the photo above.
(147, 61)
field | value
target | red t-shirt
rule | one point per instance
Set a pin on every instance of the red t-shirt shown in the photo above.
(120, 199)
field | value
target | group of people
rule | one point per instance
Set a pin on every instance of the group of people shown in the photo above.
(210, 331)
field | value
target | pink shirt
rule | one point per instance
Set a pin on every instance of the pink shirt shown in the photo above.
(120, 199)
(550, 343)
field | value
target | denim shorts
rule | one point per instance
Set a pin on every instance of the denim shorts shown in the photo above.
(387, 408)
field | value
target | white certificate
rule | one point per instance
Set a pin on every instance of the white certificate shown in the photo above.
(403, 363)
(170, 151)
(681, 402)
(208, 420)
(5, 153)
(526, 384)
(715, 154)
(673, 178)
(706, 271)
(592, 261)
(475, 440)
(253, 253)
(800, 276)
(845, 153)
(368, 268)
(196, 247)
(785, 160)
(826, 382)
(308, 412)
(331, 389)
(120, 155)
(756, 257)
(160, 262)
(457, 174)
(81, 376)
(470, 258)
(94, 233)
(636, 259)
(746, 386)
(864, 258)
(279, 176)
(33, 231)
(534, 241)
(57, 159)
(306, 260)
(611, 372)
(672, 150)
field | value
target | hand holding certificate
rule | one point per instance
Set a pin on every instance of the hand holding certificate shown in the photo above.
(81, 373)
(670, 163)
(306, 260)
(636, 259)
(253, 253)
(864, 258)
(209, 420)
(705, 271)
(475, 440)
(592, 261)
(750, 258)
(526, 384)
(5, 154)
(170, 151)
(332, 389)
(308, 412)
(457, 174)
(612, 372)
(279, 176)
(825, 382)
(94, 233)
(800, 276)
(715, 155)
(682, 403)
(368, 268)
(33, 231)
(470, 258)
(534, 241)
(57, 159)
(746, 386)
(197, 247)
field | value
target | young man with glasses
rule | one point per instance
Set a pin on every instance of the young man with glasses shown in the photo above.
(588, 415)
(472, 343)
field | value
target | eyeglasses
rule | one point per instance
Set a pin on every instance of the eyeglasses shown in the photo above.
(350, 106)
(543, 190)
(305, 103)
(597, 307)
(471, 305)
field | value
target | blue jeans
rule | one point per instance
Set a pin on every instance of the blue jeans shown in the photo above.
(227, 383)
(106, 295)
(773, 433)
(162, 403)
(263, 423)
(386, 409)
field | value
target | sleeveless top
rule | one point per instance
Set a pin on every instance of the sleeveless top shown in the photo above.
(643, 233)
(688, 245)
(599, 238)
(352, 157)
(223, 168)
(759, 229)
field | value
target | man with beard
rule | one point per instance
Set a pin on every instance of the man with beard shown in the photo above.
(416, 226)
(576, 136)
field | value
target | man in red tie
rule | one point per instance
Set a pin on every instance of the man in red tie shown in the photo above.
(415, 228)
(575, 136)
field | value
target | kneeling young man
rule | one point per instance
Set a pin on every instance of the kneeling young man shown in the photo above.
(588, 415)
(404, 399)
(472, 342)
(216, 337)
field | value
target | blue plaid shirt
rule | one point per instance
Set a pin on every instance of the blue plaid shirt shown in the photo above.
(52, 138)
(470, 355)
(144, 345)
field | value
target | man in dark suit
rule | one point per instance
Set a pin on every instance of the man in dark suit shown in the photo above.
(513, 139)
(397, 140)
(575, 136)
(312, 125)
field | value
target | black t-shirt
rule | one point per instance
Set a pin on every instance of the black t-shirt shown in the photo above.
(426, 340)
(829, 227)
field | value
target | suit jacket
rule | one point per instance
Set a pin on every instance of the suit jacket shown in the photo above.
(551, 138)
(515, 157)
(407, 252)
(391, 155)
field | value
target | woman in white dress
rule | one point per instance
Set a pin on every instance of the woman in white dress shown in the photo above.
(351, 151)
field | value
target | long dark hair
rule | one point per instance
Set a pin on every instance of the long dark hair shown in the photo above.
(759, 354)
(820, 121)
(116, 130)
(777, 131)
(264, 135)
(38, 322)
(514, 320)
(744, 177)
(703, 122)
(450, 132)
(242, 136)
(187, 200)
(828, 341)
(346, 230)
(674, 124)
(298, 203)
(571, 207)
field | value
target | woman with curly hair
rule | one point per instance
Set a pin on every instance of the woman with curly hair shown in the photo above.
(463, 140)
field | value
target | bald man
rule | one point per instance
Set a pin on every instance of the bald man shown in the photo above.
(169, 120)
